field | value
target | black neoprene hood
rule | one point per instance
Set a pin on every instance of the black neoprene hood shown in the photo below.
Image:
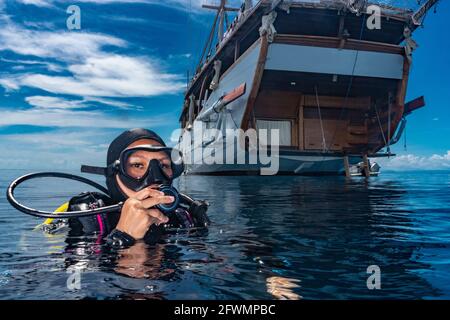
(128, 137)
(117, 146)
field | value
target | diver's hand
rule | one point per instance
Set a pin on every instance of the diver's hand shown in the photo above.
(138, 213)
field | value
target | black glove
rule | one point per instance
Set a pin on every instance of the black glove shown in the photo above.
(198, 211)
(118, 239)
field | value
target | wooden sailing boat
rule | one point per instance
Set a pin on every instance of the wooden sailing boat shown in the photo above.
(334, 88)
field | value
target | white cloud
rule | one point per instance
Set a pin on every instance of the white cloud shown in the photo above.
(180, 56)
(109, 76)
(61, 149)
(44, 102)
(92, 72)
(114, 103)
(39, 3)
(63, 45)
(52, 140)
(414, 162)
(96, 73)
(41, 25)
(49, 66)
(9, 83)
(83, 119)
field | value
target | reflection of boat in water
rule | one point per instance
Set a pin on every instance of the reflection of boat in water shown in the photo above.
(332, 84)
(323, 231)
(358, 170)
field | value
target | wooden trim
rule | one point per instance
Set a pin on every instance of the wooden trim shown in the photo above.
(294, 133)
(276, 119)
(347, 167)
(200, 97)
(399, 108)
(340, 34)
(335, 42)
(301, 124)
(256, 82)
(357, 103)
(366, 165)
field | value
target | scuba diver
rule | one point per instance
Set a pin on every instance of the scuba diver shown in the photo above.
(139, 174)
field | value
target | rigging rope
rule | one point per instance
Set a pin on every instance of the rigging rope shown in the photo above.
(404, 145)
(381, 127)
(321, 123)
(389, 123)
(350, 84)
(208, 43)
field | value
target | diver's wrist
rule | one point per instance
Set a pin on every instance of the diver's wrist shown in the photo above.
(118, 238)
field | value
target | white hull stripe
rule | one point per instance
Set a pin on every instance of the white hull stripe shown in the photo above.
(287, 57)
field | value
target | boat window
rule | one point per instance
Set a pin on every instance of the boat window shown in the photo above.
(284, 127)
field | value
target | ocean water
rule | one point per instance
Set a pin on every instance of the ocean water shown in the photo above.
(271, 238)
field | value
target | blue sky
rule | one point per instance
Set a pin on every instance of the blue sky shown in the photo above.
(64, 95)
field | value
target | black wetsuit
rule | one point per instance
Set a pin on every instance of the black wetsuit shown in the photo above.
(190, 214)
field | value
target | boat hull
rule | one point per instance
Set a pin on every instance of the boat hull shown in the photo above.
(291, 162)
(309, 84)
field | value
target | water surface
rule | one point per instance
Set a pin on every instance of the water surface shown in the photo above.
(272, 237)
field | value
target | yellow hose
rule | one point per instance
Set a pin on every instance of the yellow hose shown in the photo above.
(62, 208)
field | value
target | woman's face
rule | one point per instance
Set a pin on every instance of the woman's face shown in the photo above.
(137, 164)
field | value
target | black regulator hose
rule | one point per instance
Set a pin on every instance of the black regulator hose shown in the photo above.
(46, 214)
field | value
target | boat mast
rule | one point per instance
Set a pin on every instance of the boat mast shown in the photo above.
(222, 9)
(219, 20)
(419, 14)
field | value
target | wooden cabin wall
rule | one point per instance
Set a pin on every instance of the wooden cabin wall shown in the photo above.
(280, 105)
(277, 104)
(334, 132)
(343, 128)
